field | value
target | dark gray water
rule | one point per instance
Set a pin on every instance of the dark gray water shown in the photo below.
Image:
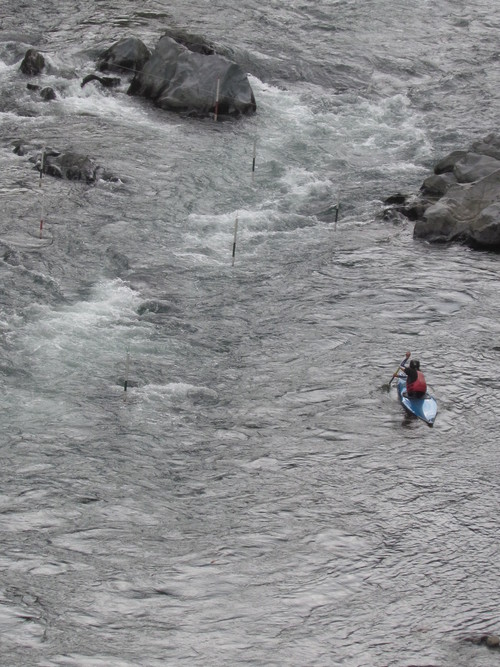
(259, 498)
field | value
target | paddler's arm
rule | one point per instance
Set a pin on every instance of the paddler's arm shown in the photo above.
(403, 363)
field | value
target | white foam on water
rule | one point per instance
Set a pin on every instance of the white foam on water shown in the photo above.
(83, 338)
(174, 391)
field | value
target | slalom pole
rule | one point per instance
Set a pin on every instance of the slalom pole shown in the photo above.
(125, 384)
(41, 191)
(41, 167)
(41, 218)
(397, 371)
(217, 100)
(234, 240)
(337, 210)
(253, 158)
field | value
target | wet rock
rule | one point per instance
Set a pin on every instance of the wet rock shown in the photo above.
(32, 63)
(490, 146)
(466, 213)
(157, 306)
(70, 166)
(491, 641)
(202, 395)
(48, 94)
(195, 43)
(178, 79)
(128, 55)
(397, 199)
(460, 202)
(437, 184)
(106, 81)
(473, 166)
(20, 148)
(448, 163)
(118, 260)
(402, 205)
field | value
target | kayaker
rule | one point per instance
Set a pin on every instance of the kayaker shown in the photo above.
(416, 386)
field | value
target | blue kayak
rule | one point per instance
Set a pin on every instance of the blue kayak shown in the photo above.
(424, 408)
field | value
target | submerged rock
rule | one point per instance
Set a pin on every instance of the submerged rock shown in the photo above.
(69, 165)
(47, 94)
(461, 201)
(491, 641)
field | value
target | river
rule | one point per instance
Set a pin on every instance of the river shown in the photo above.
(257, 496)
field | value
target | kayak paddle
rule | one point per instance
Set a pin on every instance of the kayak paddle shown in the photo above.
(397, 371)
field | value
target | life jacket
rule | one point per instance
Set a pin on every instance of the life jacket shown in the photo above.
(418, 385)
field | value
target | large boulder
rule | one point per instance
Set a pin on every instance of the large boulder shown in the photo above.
(127, 55)
(461, 201)
(179, 79)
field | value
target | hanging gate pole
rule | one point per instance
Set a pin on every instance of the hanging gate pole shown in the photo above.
(234, 240)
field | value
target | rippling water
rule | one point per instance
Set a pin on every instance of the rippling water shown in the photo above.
(257, 496)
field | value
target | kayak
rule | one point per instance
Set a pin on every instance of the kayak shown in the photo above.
(424, 408)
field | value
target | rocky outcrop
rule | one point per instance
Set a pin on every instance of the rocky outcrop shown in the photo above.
(178, 79)
(460, 202)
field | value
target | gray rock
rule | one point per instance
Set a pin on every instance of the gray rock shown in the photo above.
(70, 166)
(437, 184)
(490, 145)
(486, 229)
(178, 79)
(106, 81)
(448, 162)
(465, 213)
(128, 55)
(474, 166)
(491, 641)
(193, 42)
(33, 63)
(461, 201)
(48, 94)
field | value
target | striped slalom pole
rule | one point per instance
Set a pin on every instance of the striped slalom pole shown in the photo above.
(125, 384)
(234, 240)
(41, 219)
(42, 162)
(253, 158)
(217, 100)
